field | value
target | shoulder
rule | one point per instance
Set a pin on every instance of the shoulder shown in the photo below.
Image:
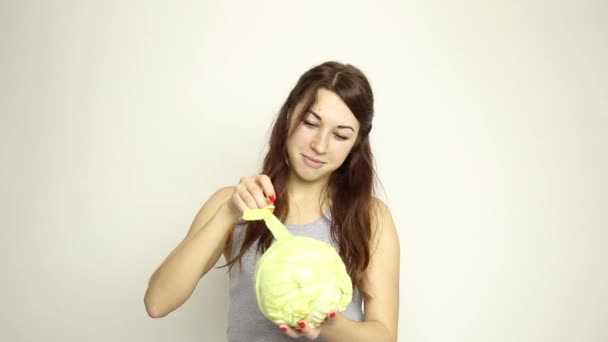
(379, 212)
(209, 208)
(220, 196)
(217, 198)
(382, 225)
(378, 206)
(223, 193)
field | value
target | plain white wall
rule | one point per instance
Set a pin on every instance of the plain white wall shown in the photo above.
(120, 118)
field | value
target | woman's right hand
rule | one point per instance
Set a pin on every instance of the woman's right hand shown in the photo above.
(252, 192)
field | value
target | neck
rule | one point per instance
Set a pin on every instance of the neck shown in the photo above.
(303, 194)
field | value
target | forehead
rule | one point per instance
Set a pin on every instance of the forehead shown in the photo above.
(332, 110)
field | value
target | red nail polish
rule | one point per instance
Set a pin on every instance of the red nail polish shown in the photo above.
(332, 315)
(272, 198)
(302, 324)
(284, 329)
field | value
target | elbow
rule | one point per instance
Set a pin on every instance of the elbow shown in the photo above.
(390, 335)
(154, 313)
(160, 302)
(153, 309)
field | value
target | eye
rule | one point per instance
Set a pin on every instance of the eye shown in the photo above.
(340, 137)
(309, 124)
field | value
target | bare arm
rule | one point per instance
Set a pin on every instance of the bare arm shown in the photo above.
(176, 278)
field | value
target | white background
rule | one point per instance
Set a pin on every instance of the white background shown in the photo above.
(120, 118)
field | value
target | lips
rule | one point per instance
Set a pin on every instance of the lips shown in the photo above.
(312, 162)
(313, 159)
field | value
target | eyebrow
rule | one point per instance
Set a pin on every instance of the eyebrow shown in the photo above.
(339, 126)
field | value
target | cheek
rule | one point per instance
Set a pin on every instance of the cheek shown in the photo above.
(295, 142)
(301, 135)
(343, 151)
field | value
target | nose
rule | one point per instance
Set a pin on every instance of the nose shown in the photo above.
(319, 143)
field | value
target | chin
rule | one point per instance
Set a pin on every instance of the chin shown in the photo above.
(308, 176)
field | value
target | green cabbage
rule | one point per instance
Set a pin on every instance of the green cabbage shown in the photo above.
(298, 278)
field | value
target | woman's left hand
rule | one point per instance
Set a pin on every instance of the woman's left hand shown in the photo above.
(305, 329)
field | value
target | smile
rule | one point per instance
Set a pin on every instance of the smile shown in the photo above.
(314, 163)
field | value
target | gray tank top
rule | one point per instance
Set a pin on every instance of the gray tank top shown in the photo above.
(246, 323)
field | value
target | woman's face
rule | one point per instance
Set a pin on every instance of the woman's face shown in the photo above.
(321, 143)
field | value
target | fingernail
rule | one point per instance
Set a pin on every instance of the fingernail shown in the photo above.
(272, 198)
(283, 328)
(302, 324)
(332, 314)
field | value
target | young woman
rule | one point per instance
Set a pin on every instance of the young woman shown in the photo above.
(319, 174)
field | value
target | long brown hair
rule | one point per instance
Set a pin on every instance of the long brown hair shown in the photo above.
(350, 187)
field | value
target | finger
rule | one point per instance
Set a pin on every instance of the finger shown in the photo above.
(256, 192)
(308, 331)
(246, 197)
(289, 331)
(267, 186)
